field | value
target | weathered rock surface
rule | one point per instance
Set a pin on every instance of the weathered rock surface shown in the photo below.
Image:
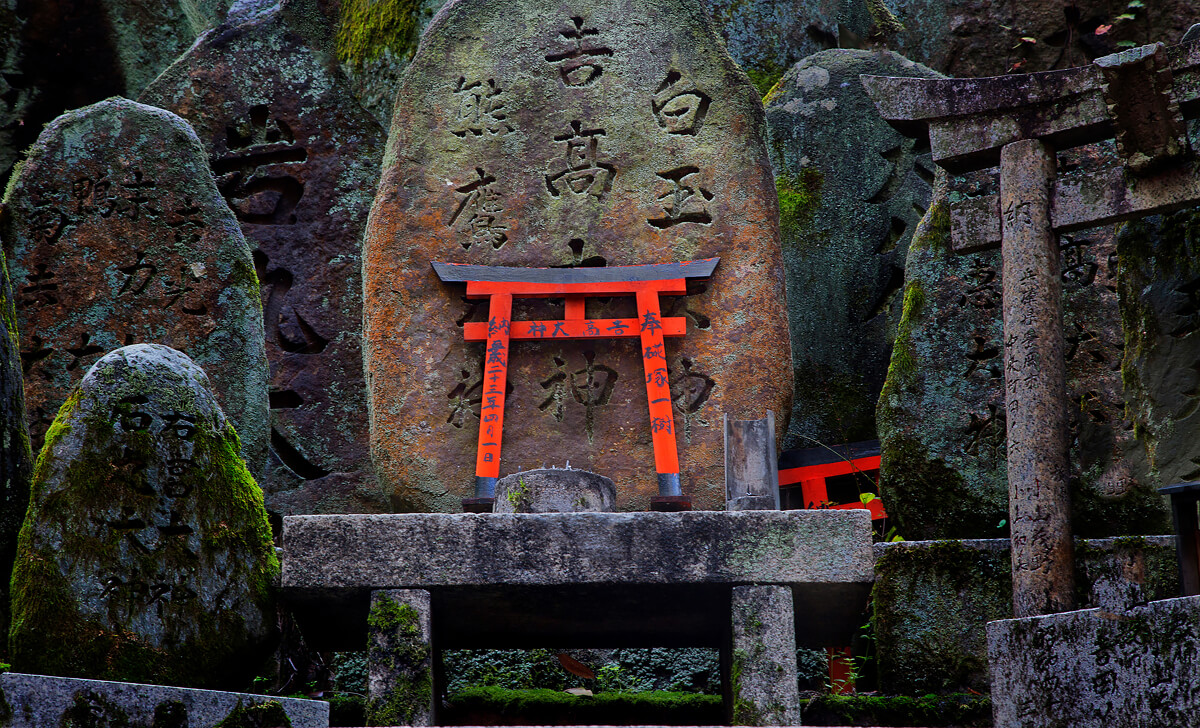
(619, 135)
(16, 457)
(297, 159)
(554, 490)
(145, 555)
(764, 656)
(851, 191)
(1160, 310)
(1091, 669)
(116, 234)
(933, 599)
(38, 701)
(941, 414)
(400, 658)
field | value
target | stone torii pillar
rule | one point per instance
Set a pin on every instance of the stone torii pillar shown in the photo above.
(1141, 97)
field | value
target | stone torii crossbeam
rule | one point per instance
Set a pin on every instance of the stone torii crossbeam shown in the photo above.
(1140, 97)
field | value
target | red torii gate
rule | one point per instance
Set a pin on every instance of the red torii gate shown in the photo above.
(500, 285)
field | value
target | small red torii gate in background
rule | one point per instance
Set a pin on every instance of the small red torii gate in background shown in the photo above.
(500, 285)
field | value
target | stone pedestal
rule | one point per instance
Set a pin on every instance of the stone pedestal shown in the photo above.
(551, 490)
(400, 659)
(1096, 669)
(763, 688)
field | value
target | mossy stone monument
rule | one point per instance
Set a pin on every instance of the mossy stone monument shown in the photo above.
(116, 234)
(604, 134)
(145, 555)
(941, 415)
(297, 159)
(851, 191)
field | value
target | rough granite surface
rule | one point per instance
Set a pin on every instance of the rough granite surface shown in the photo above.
(851, 192)
(765, 691)
(297, 159)
(116, 234)
(933, 600)
(145, 554)
(613, 133)
(400, 658)
(554, 490)
(714, 547)
(1097, 669)
(40, 701)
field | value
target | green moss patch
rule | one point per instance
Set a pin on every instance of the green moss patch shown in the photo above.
(368, 27)
(498, 706)
(799, 197)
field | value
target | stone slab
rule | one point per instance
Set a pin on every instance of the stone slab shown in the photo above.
(1096, 669)
(554, 490)
(596, 579)
(606, 134)
(38, 701)
(933, 600)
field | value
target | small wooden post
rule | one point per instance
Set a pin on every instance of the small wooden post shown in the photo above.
(491, 411)
(751, 466)
(1035, 384)
(658, 393)
(1184, 498)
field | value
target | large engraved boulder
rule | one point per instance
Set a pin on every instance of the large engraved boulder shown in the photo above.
(608, 134)
(297, 159)
(942, 427)
(115, 234)
(146, 555)
(851, 191)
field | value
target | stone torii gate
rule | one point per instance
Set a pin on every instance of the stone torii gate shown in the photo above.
(1141, 97)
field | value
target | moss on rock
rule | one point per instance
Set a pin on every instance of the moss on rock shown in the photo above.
(146, 555)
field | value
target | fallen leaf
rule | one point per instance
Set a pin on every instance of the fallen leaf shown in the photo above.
(1101, 30)
(575, 667)
(579, 691)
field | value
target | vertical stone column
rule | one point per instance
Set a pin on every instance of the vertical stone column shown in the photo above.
(763, 689)
(400, 660)
(1035, 384)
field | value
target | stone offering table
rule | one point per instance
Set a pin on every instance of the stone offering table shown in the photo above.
(591, 579)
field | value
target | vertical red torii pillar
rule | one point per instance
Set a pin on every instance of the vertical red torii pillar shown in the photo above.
(500, 285)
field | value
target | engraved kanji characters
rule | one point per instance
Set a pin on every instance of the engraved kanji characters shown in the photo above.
(579, 63)
(684, 200)
(42, 289)
(479, 211)
(259, 174)
(480, 109)
(583, 173)
(679, 107)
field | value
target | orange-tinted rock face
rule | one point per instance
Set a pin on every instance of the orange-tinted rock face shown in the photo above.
(297, 159)
(548, 134)
(115, 235)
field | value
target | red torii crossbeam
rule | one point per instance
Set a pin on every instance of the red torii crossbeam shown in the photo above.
(500, 285)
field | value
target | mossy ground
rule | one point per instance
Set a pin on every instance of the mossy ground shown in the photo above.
(498, 706)
(961, 711)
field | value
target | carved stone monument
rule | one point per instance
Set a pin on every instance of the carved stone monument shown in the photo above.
(297, 159)
(596, 135)
(116, 234)
(851, 190)
(145, 555)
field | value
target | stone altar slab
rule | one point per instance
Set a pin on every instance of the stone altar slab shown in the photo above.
(603, 579)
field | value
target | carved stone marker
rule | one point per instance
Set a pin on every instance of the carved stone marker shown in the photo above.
(297, 159)
(601, 134)
(146, 555)
(116, 234)
(852, 190)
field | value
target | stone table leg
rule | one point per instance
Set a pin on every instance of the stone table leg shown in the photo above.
(1035, 384)
(400, 659)
(762, 689)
